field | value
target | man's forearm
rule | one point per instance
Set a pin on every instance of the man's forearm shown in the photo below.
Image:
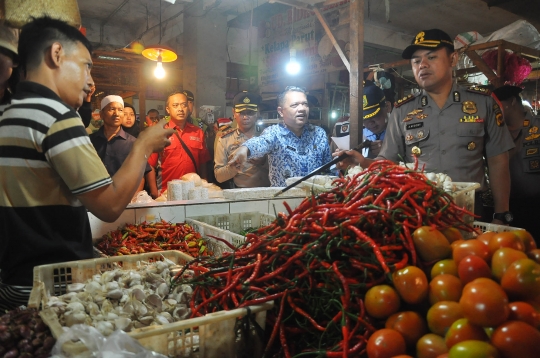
(499, 177)
(224, 172)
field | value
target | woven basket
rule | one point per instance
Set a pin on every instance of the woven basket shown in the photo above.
(20, 12)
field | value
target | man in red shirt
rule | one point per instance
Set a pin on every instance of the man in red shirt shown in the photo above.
(187, 152)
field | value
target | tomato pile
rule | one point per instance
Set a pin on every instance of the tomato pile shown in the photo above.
(318, 261)
(482, 299)
(152, 237)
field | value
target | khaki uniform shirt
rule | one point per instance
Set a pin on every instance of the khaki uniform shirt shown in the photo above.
(525, 161)
(450, 140)
(251, 175)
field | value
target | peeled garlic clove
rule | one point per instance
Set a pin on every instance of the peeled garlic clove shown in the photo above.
(110, 286)
(74, 317)
(123, 324)
(111, 316)
(146, 320)
(75, 287)
(161, 320)
(107, 276)
(167, 316)
(138, 294)
(115, 294)
(75, 307)
(105, 328)
(163, 290)
(155, 301)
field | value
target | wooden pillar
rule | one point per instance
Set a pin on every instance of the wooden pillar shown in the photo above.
(356, 74)
(142, 98)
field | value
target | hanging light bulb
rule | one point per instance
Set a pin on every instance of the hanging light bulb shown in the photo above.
(159, 72)
(293, 67)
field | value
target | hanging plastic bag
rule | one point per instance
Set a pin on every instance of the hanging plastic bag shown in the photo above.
(118, 345)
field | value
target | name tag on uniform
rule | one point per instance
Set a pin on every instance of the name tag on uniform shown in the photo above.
(415, 125)
(197, 139)
(291, 148)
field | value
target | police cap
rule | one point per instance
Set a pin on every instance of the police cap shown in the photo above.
(428, 40)
(246, 101)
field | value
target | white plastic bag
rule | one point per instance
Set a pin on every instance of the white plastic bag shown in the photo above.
(141, 197)
(118, 345)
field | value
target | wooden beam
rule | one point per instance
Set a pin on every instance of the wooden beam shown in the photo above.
(481, 65)
(332, 39)
(384, 66)
(142, 99)
(356, 39)
(293, 3)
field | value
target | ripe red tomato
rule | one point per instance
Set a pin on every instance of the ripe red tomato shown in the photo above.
(526, 237)
(505, 239)
(381, 301)
(441, 315)
(470, 247)
(445, 288)
(386, 343)
(430, 345)
(452, 234)
(486, 237)
(462, 330)
(484, 303)
(502, 259)
(472, 267)
(516, 339)
(410, 324)
(411, 283)
(446, 266)
(431, 244)
(473, 349)
(525, 312)
(521, 281)
(534, 255)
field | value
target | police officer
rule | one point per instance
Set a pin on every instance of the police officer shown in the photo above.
(524, 162)
(254, 172)
(448, 128)
(375, 121)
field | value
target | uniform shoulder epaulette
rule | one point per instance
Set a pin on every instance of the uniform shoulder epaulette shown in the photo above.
(404, 100)
(479, 90)
(227, 132)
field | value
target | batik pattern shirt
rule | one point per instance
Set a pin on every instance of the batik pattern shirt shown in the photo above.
(288, 154)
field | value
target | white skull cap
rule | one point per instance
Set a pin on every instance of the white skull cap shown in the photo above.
(111, 98)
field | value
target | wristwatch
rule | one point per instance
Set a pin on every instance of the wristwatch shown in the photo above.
(505, 217)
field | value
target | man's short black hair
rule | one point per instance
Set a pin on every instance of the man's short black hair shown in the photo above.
(173, 94)
(38, 35)
(152, 110)
(281, 96)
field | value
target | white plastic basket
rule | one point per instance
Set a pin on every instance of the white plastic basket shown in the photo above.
(464, 197)
(482, 227)
(215, 331)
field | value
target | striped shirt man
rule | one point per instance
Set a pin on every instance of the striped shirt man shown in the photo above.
(46, 159)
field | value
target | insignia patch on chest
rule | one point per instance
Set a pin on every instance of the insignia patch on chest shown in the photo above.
(424, 101)
(531, 151)
(469, 107)
(406, 119)
(409, 137)
(421, 116)
(534, 164)
(532, 136)
(471, 119)
(414, 125)
(291, 148)
(526, 123)
(420, 134)
(457, 96)
(416, 151)
(471, 146)
(414, 112)
(533, 130)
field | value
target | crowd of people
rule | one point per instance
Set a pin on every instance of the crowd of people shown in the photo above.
(52, 172)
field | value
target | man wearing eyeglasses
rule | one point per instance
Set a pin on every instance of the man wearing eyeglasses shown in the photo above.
(253, 173)
(294, 147)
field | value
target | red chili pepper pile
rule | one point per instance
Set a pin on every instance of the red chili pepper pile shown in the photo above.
(318, 261)
(151, 237)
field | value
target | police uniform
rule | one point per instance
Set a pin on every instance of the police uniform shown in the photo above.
(450, 140)
(250, 176)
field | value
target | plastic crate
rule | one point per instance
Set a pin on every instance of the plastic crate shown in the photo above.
(57, 276)
(464, 197)
(215, 331)
(482, 227)
(236, 222)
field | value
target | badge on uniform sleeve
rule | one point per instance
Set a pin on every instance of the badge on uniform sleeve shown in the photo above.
(457, 97)
(469, 107)
(409, 137)
(471, 146)
(499, 119)
(526, 123)
(416, 151)
(423, 101)
(533, 131)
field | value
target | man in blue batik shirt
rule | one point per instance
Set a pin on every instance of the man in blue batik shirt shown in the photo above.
(294, 147)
